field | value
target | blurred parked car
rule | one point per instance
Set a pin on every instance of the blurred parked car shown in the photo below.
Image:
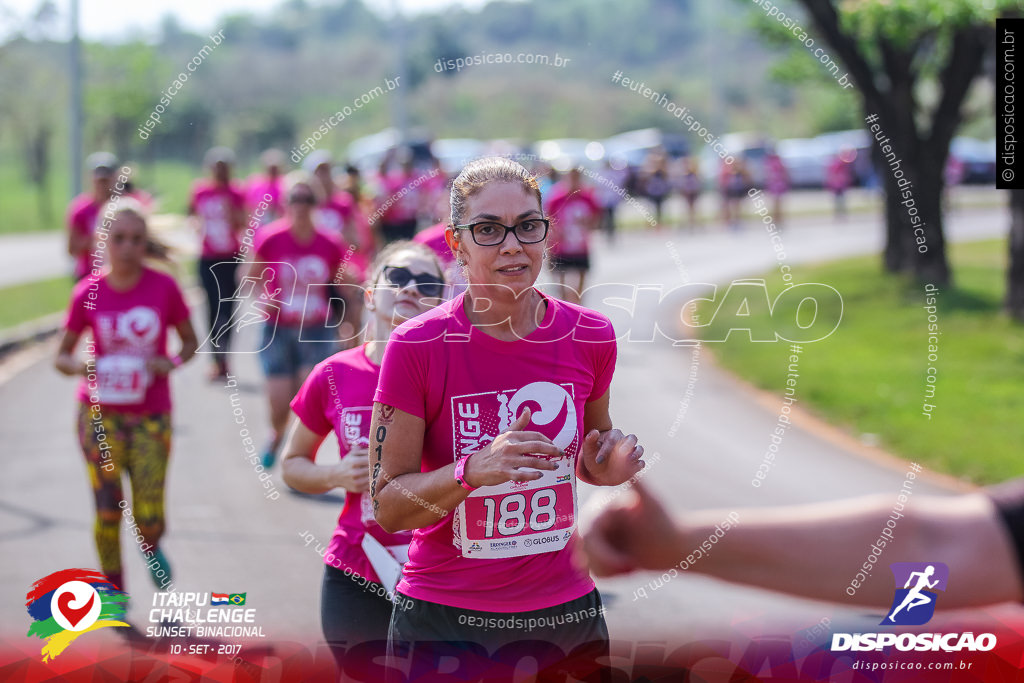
(805, 160)
(978, 158)
(855, 146)
(635, 146)
(564, 153)
(454, 153)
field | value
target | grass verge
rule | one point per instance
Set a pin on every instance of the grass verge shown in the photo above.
(869, 376)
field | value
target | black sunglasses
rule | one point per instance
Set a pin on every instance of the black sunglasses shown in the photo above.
(428, 284)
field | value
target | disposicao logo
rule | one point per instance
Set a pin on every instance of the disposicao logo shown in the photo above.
(919, 581)
(68, 603)
(913, 604)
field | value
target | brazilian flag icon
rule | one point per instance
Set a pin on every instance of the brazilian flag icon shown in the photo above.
(237, 598)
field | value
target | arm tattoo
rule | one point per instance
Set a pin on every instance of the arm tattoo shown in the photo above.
(379, 436)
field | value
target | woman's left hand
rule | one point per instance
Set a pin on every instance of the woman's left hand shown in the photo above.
(610, 457)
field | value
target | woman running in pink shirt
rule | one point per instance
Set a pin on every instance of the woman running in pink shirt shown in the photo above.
(489, 410)
(295, 265)
(355, 603)
(124, 416)
(218, 210)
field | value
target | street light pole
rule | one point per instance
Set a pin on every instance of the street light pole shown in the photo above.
(75, 66)
(401, 111)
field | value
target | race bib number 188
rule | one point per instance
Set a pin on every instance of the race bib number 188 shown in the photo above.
(516, 519)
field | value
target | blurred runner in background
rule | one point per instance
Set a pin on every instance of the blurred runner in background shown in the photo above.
(259, 186)
(838, 179)
(398, 201)
(687, 181)
(84, 210)
(574, 214)
(655, 183)
(733, 183)
(218, 210)
(297, 265)
(124, 416)
(336, 215)
(776, 183)
(609, 191)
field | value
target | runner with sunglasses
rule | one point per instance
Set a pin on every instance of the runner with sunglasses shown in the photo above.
(296, 264)
(489, 409)
(338, 395)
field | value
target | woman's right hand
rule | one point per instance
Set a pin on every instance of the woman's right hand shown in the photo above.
(353, 472)
(501, 459)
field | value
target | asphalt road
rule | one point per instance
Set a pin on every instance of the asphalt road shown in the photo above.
(224, 535)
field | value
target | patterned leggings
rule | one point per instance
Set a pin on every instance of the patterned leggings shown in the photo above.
(139, 445)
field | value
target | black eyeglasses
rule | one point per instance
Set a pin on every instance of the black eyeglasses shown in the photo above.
(490, 233)
(428, 284)
(302, 198)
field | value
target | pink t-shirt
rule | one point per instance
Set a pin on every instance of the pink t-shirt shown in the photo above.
(507, 548)
(433, 237)
(257, 189)
(82, 214)
(338, 396)
(128, 328)
(837, 175)
(300, 270)
(214, 205)
(569, 212)
(367, 242)
(398, 189)
(337, 216)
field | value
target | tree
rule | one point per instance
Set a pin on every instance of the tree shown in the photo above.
(1015, 272)
(120, 93)
(31, 70)
(894, 52)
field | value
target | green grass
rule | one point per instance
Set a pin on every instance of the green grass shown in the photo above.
(869, 376)
(22, 211)
(33, 300)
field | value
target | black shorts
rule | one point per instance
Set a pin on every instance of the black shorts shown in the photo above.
(354, 615)
(1009, 501)
(570, 262)
(570, 637)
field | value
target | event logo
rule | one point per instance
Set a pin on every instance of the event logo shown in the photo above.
(140, 325)
(68, 603)
(914, 603)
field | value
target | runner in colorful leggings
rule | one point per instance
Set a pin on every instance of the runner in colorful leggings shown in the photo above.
(124, 418)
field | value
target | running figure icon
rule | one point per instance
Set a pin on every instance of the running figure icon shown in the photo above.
(248, 312)
(916, 597)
